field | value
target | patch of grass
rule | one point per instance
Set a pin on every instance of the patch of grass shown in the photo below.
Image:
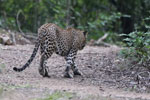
(12, 87)
(20, 86)
(58, 95)
(1, 90)
(93, 97)
(2, 67)
(71, 96)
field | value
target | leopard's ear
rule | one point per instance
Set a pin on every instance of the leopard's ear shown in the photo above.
(85, 33)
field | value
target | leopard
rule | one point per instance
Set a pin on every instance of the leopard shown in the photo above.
(64, 42)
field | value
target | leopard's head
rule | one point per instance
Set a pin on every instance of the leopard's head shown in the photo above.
(83, 39)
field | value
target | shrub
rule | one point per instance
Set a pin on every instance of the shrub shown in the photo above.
(138, 48)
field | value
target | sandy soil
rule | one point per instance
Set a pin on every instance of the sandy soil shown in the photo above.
(102, 78)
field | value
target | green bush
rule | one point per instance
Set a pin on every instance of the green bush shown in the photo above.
(138, 48)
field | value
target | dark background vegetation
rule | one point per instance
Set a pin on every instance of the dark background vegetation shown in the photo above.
(96, 16)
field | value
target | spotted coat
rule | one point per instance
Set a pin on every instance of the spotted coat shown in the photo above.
(53, 39)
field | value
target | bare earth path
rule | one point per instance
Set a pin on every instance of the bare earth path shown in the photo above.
(97, 82)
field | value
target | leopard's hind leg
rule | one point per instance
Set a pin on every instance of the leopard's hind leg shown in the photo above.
(43, 69)
(46, 52)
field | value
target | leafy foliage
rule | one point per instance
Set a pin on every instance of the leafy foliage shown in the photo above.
(97, 16)
(139, 48)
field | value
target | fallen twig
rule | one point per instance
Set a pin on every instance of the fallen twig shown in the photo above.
(101, 39)
(100, 42)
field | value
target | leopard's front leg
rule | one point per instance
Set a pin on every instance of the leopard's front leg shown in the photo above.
(76, 70)
(71, 64)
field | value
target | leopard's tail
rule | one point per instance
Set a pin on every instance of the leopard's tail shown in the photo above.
(30, 60)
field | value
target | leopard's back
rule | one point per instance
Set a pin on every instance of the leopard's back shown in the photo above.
(61, 40)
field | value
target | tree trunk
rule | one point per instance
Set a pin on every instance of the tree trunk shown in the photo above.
(68, 14)
(127, 22)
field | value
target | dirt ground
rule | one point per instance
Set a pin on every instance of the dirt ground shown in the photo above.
(102, 77)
